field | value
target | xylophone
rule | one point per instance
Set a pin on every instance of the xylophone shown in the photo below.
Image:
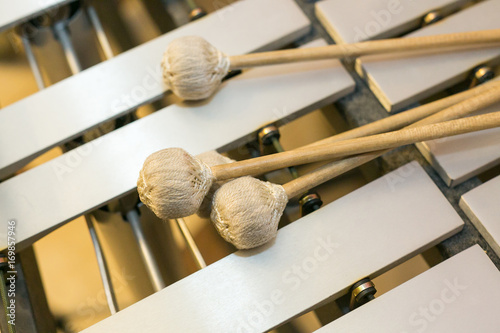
(325, 264)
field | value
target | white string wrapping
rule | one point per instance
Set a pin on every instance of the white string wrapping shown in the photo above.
(193, 68)
(246, 211)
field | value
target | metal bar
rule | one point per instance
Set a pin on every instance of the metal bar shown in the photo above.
(191, 244)
(160, 15)
(103, 267)
(62, 35)
(279, 149)
(32, 61)
(145, 251)
(101, 36)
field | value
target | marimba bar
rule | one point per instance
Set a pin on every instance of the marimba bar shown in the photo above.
(359, 20)
(462, 157)
(256, 290)
(482, 207)
(13, 12)
(460, 295)
(400, 80)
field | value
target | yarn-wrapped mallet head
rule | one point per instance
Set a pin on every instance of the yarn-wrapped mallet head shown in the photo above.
(193, 68)
(246, 211)
(173, 183)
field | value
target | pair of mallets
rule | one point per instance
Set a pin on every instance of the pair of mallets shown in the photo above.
(246, 211)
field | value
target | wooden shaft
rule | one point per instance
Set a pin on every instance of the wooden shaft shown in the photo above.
(462, 39)
(464, 108)
(337, 168)
(406, 118)
(328, 171)
(356, 146)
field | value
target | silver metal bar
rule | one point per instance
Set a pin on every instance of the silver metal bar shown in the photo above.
(132, 216)
(296, 273)
(103, 267)
(13, 12)
(101, 260)
(35, 69)
(62, 34)
(145, 251)
(279, 149)
(191, 244)
(101, 36)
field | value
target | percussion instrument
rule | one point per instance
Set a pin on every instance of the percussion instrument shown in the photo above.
(419, 224)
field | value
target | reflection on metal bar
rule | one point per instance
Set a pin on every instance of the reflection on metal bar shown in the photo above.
(61, 31)
(32, 61)
(193, 248)
(101, 36)
(146, 253)
(103, 268)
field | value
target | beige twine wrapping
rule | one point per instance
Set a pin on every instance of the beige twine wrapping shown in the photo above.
(173, 184)
(246, 211)
(193, 68)
(211, 158)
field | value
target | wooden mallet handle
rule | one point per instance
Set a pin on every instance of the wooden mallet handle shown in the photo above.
(336, 168)
(409, 117)
(436, 42)
(377, 142)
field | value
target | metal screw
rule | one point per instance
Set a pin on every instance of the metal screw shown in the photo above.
(481, 75)
(362, 292)
(431, 18)
(270, 135)
(309, 203)
(196, 13)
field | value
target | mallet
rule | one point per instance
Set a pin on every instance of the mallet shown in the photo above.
(211, 158)
(157, 174)
(193, 68)
(248, 221)
(155, 188)
(172, 183)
